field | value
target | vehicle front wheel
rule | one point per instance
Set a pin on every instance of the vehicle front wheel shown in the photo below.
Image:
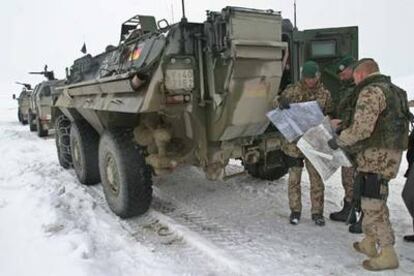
(19, 116)
(84, 141)
(32, 125)
(126, 178)
(62, 139)
(41, 132)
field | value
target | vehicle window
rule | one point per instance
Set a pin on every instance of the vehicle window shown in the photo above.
(46, 91)
(325, 48)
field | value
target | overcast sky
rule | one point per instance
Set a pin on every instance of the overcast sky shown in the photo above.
(39, 32)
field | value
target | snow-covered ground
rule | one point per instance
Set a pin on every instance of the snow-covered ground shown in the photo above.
(52, 225)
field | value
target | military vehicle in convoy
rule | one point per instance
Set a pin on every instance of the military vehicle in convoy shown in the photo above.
(185, 94)
(40, 110)
(23, 102)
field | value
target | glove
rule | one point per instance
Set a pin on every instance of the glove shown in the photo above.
(283, 103)
(333, 144)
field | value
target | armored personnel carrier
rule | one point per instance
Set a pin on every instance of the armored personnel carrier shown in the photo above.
(40, 112)
(23, 102)
(186, 94)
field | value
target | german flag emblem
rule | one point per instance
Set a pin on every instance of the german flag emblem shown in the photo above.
(136, 53)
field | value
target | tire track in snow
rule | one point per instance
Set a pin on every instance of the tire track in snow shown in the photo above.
(172, 220)
(248, 251)
(160, 231)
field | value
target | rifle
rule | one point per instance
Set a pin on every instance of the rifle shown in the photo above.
(356, 197)
(356, 190)
(50, 75)
(25, 85)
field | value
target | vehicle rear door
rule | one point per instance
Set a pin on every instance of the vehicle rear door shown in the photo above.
(326, 47)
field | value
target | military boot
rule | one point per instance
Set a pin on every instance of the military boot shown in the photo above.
(387, 259)
(294, 218)
(344, 213)
(356, 228)
(318, 219)
(367, 246)
(409, 238)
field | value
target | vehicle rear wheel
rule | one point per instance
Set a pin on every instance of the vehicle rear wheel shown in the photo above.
(32, 125)
(41, 132)
(259, 169)
(62, 139)
(126, 178)
(84, 141)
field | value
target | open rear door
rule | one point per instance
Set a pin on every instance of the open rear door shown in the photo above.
(326, 47)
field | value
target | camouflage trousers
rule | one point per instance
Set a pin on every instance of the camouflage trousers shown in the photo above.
(348, 182)
(376, 222)
(317, 189)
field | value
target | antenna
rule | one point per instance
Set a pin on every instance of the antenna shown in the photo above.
(183, 8)
(183, 24)
(172, 12)
(294, 10)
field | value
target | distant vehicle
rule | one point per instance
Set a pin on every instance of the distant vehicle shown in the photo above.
(23, 102)
(40, 113)
(185, 94)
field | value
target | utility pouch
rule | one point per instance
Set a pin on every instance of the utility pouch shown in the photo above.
(371, 185)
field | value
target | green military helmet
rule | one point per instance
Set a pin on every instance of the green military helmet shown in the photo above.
(345, 62)
(310, 69)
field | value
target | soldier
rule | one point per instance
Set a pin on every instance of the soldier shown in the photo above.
(408, 191)
(378, 134)
(408, 196)
(345, 71)
(309, 88)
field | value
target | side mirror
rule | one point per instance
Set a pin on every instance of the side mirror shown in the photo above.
(163, 25)
(14, 96)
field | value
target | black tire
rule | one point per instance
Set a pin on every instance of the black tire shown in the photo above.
(84, 142)
(129, 191)
(19, 116)
(41, 132)
(32, 126)
(62, 139)
(259, 170)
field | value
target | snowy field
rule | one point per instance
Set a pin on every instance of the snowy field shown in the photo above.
(51, 225)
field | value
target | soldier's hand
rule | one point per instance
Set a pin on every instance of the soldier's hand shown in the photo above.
(336, 123)
(283, 103)
(333, 144)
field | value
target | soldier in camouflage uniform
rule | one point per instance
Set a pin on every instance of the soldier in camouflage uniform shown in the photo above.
(345, 71)
(408, 191)
(309, 88)
(408, 197)
(377, 135)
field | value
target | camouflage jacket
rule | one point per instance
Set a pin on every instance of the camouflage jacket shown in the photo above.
(370, 104)
(298, 93)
